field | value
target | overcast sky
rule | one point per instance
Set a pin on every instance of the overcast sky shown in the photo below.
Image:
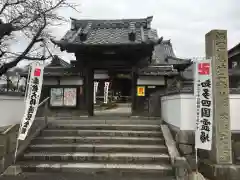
(185, 22)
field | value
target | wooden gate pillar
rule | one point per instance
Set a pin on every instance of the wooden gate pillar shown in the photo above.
(134, 89)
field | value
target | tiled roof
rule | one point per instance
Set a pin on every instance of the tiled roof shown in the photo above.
(109, 32)
(162, 70)
(162, 59)
(111, 23)
(162, 51)
(189, 73)
(58, 62)
(234, 51)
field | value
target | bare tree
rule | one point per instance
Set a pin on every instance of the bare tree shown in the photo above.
(33, 19)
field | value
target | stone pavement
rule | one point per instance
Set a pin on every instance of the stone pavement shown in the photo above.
(123, 109)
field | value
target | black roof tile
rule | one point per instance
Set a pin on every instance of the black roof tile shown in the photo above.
(161, 52)
(113, 32)
(58, 62)
(162, 59)
(112, 23)
(234, 51)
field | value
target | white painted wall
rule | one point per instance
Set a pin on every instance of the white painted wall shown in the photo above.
(180, 111)
(150, 80)
(101, 76)
(71, 81)
(50, 81)
(11, 109)
(171, 108)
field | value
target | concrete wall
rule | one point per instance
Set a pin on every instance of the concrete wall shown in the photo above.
(12, 109)
(180, 111)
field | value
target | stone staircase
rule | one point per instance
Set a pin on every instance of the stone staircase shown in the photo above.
(114, 149)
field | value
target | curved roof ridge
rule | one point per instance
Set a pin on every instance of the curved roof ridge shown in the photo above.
(148, 18)
(167, 42)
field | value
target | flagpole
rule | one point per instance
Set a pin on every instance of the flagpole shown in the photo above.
(196, 158)
(195, 94)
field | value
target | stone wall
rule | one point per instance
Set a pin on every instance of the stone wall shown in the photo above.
(8, 140)
(185, 141)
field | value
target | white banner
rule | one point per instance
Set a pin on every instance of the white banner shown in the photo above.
(204, 113)
(95, 92)
(32, 99)
(106, 86)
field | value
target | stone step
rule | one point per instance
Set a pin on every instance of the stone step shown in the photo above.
(132, 127)
(98, 140)
(70, 132)
(132, 158)
(75, 176)
(140, 170)
(106, 117)
(108, 121)
(98, 148)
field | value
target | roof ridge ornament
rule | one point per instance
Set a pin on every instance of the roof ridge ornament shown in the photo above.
(83, 34)
(132, 31)
(149, 21)
(75, 35)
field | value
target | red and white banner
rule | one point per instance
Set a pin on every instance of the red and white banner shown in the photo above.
(204, 103)
(32, 99)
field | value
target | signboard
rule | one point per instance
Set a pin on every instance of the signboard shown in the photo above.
(95, 91)
(32, 99)
(56, 97)
(106, 86)
(140, 91)
(70, 97)
(204, 109)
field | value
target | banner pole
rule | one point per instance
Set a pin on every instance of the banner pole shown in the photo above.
(17, 144)
(26, 88)
(196, 158)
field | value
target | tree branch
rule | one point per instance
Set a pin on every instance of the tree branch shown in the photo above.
(39, 15)
(6, 66)
(25, 57)
(32, 18)
(10, 4)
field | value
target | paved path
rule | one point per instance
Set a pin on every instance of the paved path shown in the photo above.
(122, 110)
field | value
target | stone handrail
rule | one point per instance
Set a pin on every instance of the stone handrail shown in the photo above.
(180, 164)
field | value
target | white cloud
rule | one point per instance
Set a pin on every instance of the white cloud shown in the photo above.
(185, 22)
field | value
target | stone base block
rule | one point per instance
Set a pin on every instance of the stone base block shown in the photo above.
(219, 172)
(186, 149)
(12, 171)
